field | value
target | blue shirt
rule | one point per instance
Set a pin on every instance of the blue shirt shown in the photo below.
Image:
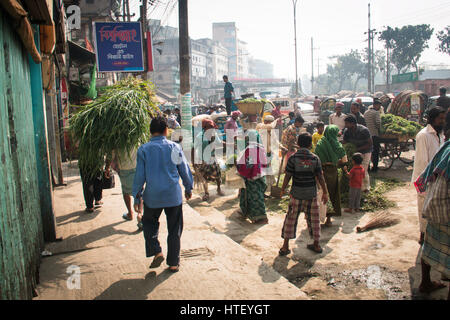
(228, 89)
(160, 174)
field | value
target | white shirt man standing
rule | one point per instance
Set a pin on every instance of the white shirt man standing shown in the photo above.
(338, 118)
(428, 142)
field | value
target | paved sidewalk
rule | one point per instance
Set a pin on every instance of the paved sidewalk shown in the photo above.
(110, 255)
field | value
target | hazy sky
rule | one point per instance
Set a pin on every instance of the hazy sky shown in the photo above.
(336, 26)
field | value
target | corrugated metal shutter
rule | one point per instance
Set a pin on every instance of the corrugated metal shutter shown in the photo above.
(20, 219)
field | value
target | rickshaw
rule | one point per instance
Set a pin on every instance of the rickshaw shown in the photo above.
(326, 109)
(411, 106)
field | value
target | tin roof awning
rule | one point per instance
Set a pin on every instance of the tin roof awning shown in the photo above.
(81, 54)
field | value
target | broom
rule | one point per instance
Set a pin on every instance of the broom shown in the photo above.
(380, 220)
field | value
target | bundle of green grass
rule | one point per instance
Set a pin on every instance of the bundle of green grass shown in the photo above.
(395, 125)
(117, 120)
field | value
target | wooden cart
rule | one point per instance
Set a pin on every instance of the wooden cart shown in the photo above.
(392, 147)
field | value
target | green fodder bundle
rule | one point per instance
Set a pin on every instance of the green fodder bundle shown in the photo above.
(118, 120)
(395, 125)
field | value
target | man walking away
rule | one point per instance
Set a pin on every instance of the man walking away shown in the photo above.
(125, 165)
(160, 164)
(304, 168)
(428, 142)
(373, 120)
(228, 94)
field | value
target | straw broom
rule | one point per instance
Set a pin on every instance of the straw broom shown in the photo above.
(380, 220)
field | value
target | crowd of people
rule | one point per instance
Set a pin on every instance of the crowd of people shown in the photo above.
(311, 162)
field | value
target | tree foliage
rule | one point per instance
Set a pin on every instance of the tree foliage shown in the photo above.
(444, 40)
(406, 44)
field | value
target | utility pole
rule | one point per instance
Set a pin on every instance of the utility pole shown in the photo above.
(388, 87)
(124, 10)
(144, 35)
(128, 10)
(312, 65)
(294, 2)
(369, 57)
(185, 78)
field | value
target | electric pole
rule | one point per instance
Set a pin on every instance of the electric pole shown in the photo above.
(185, 83)
(294, 2)
(128, 10)
(388, 87)
(312, 65)
(124, 9)
(369, 57)
(144, 36)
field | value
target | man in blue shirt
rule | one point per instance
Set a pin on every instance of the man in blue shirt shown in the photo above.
(160, 164)
(228, 91)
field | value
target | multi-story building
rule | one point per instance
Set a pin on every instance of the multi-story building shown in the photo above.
(242, 60)
(226, 34)
(217, 60)
(260, 69)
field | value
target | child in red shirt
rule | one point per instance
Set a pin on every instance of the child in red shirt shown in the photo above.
(356, 176)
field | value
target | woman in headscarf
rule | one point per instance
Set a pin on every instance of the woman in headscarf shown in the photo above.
(208, 170)
(250, 166)
(331, 154)
(435, 181)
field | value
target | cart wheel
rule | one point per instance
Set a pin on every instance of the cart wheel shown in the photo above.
(407, 147)
(387, 156)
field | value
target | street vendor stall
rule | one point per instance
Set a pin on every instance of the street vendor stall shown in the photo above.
(397, 137)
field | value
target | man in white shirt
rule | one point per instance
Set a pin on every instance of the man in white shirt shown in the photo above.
(428, 142)
(338, 118)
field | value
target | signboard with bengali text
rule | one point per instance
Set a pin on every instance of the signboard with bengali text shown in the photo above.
(405, 77)
(119, 46)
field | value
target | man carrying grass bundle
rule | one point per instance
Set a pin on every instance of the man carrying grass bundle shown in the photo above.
(160, 164)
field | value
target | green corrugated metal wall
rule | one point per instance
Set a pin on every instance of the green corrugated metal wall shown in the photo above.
(21, 238)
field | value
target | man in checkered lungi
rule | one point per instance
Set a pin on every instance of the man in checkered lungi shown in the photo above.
(304, 168)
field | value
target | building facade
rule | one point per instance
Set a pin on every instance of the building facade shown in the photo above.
(226, 34)
(260, 69)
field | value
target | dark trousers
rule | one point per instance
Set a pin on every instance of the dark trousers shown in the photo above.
(228, 105)
(376, 151)
(150, 222)
(92, 190)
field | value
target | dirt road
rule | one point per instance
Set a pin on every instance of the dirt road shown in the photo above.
(379, 264)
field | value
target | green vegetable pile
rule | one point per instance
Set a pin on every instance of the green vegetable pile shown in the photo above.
(118, 120)
(250, 100)
(398, 126)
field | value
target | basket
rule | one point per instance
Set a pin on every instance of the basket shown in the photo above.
(250, 107)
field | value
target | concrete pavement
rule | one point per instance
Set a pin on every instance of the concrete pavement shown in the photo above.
(107, 255)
